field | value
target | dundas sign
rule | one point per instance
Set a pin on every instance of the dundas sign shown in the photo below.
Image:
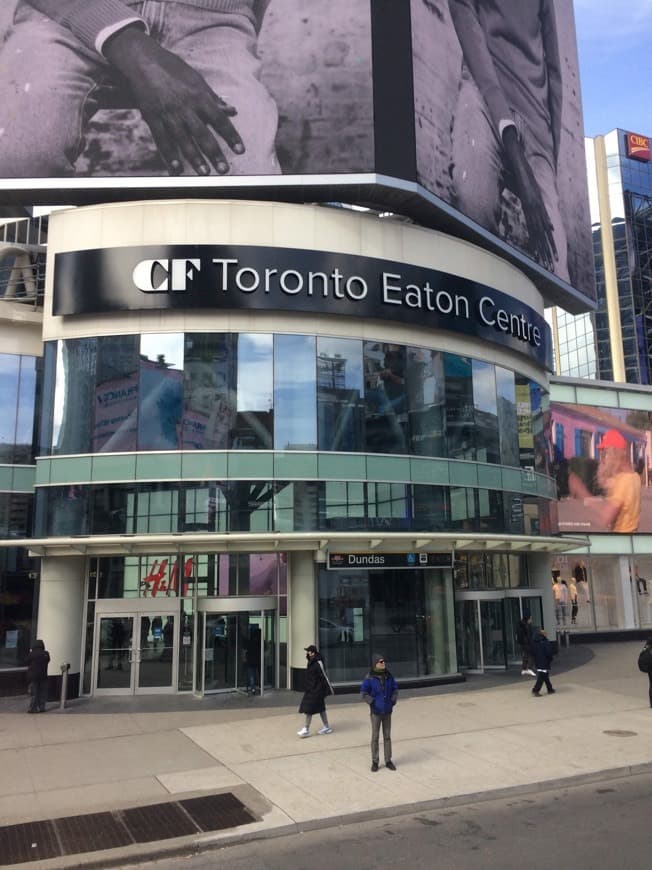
(236, 277)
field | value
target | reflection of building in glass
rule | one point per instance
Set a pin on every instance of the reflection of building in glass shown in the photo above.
(615, 341)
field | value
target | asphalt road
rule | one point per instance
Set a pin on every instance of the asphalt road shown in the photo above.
(601, 826)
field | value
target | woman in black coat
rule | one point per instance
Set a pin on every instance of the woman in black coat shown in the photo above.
(317, 690)
(37, 676)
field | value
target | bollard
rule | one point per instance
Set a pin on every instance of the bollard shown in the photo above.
(64, 685)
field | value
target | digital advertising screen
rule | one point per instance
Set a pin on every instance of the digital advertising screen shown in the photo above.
(463, 115)
(601, 460)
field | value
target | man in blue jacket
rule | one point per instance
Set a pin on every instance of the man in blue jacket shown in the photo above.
(379, 689)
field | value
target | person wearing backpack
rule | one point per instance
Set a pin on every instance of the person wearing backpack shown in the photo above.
(524, 638)
(645, 663)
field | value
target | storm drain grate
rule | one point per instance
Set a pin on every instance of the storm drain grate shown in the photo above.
(159, 822)
(32, 841)
(217, 811)
(94, 832)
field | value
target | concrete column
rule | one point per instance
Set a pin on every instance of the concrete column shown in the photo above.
(302, 576)
(625, 575)
(61, 610)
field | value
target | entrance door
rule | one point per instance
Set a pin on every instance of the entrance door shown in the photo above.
(135, 653)
(238, 652)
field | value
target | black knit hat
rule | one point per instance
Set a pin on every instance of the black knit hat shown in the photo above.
(376, 657)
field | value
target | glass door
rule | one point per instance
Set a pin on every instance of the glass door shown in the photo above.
(135, 654)
(155, 653)
(492, 624)
(239, 652)
(114, 656)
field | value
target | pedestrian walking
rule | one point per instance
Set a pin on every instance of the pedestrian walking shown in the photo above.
(318, 688)
(379, 689)
(543, 652)
(37, 676)
(524, 636)
(645, 663)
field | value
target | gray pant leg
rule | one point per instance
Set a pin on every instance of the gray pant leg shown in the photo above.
(385, 720)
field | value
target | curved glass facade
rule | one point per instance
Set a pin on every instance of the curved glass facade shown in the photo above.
(290, 506)
(250, 391)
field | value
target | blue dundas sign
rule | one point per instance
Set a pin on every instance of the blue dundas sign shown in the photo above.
(237, 277)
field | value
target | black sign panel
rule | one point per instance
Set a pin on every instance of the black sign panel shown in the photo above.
(400, 561)
(228, 277)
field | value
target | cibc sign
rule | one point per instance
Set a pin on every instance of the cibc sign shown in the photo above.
(237, 277)
(638, 147)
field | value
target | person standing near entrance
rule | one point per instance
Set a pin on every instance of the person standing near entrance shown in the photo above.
(37, 676)
(379, 689)
(318, 688)
(252, 659)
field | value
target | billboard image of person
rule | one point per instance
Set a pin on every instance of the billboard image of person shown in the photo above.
(600, 458)
(499, 125)
(194, 93)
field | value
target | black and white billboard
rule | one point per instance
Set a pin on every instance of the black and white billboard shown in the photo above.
(464, 115)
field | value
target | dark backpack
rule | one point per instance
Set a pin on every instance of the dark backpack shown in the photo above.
(645, 660)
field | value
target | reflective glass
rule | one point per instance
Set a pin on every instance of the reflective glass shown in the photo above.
(385, 397)
(431, 508)
(295, 393)
(255, 403)
(460, 428)
(115, 420)
(209, 403)
(75, 398)
(160, 392)
(426, 401)
(9, 379)
(24, 451)
(340, 394)
(388, 506)
(342, 505)
(507, 418)
(485, 408)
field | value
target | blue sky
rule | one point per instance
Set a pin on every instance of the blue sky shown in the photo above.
(614, 44)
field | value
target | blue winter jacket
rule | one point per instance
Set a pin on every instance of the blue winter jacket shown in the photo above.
(380, 701)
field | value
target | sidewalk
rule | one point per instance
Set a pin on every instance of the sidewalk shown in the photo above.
(450, 743)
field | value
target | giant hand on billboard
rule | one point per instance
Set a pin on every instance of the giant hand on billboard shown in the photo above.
(460, 114)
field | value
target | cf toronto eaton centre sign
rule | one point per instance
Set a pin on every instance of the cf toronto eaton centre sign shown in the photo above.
(223, 277)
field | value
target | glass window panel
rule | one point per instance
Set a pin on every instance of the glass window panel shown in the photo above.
(342, 505)
(255, 379)
(340, 402)
(115, 422)
(388, 506)
(75, 397)
(204, 508)
(210, 377)
(109, 509)
(431, 508)
(160, 392)
(426, 401)
(9, 380)
(385, 397)
(507, 417)
(295, 393)
(460, 429)
(24, 451)
(47, 390)
(250, 506)
(296, 506)
(157, 509)
(486, 412)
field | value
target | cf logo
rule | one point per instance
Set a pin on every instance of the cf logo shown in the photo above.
(161, 276)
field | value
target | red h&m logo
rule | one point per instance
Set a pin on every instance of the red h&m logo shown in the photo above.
(638, 147)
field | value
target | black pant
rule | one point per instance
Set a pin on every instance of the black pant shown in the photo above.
(542, 677)
(526, 657)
